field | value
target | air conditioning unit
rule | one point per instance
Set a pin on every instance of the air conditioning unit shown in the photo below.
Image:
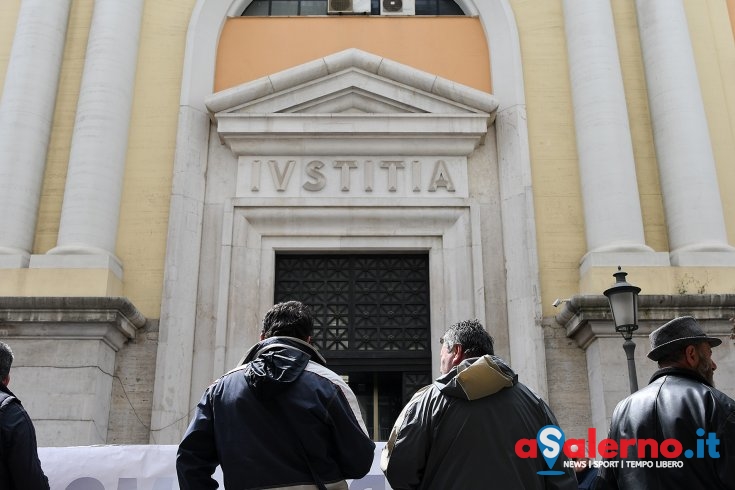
(397, 7)
(348, 7)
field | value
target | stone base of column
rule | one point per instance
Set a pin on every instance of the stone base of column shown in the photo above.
(624, 259)
(56, 259)
(14, 261)
(716, 255)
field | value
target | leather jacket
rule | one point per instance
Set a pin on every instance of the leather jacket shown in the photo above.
(272, 421)
(20, 468)
(675, 404)
(460, 433)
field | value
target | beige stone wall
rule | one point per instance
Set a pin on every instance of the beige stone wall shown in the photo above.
(132, 388)
(566, 369)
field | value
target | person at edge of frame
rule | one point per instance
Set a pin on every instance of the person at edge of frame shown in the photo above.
(20, 468)
(680, 403)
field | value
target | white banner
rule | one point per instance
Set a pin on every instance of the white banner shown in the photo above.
(144, 467)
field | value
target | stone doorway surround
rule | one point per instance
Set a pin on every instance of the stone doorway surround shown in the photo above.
(453, 238)
(348, 152)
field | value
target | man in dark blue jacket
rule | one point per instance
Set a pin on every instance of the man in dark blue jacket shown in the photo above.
(20, 468)
(279, 420)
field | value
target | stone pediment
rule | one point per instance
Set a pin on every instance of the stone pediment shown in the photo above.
(352, 102)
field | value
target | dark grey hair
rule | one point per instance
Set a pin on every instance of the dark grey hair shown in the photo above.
(472, 336)
(6, 359)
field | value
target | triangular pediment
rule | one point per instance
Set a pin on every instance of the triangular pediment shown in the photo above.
(350, 94)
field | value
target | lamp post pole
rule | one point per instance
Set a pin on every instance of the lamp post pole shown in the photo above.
(629, 347)
(623, 299)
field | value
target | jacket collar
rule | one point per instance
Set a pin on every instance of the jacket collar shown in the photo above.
(681, 372)
(6, 390)
(281, 342)
(477, 377)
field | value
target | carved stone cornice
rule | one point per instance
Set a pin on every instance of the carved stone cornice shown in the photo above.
(112, 320)
(587, 317)
(352, 103)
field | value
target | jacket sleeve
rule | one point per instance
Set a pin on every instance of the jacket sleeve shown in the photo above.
(197, 459)
(19, 439)
(404, 456)
(354, 448)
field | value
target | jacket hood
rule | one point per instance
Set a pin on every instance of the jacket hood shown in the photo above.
(274, 363)
(477, 378)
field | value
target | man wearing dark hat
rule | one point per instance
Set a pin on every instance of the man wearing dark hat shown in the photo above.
(680, 406)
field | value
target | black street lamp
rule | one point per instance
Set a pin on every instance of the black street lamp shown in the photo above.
(623, 299)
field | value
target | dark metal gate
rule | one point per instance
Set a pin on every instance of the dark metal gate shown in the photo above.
(372, 313)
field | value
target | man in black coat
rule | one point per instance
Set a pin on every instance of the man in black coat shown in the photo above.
(280, 420)
(679, 404)
(20, 468)
(461, 432)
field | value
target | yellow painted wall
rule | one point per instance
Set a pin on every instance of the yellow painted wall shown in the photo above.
(253, 47)
(57, 159)
(451, 47)
(634, 82)
(556, 181)
(8, 19)
(141, 243)
(714, 52)
(143, 224)
(557, 194)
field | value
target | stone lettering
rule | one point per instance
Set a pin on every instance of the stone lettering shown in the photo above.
(416, 175)
(441, 177)
(318, 179)
(392, 166)
(255, 176)
(281, 177)
(369, 176)
(319, 174)
(345, 165)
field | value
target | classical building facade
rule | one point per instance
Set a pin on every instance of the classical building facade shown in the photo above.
(170, 169)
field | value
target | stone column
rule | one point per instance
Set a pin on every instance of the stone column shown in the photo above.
(90, 213)
(694, 216)
(613, 219)
(26, 115)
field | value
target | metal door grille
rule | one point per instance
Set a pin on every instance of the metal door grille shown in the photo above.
(365, 305)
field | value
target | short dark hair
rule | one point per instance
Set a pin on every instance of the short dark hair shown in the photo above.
(472, 336)
(289, 319)
(6, 359)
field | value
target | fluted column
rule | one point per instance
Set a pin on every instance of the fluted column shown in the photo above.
(26, 116)
(694, 215)
(91, 208)
(612, 210)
